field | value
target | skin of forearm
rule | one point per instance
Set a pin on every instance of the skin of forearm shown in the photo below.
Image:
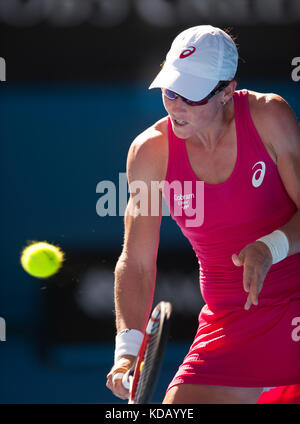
(134, 288)
(292, 231)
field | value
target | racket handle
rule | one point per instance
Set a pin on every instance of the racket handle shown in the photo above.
(127, 378)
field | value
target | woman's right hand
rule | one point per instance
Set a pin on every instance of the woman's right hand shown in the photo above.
(114, 381)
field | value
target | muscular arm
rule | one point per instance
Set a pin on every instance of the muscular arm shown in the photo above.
(136, 268)
(135, 272)
(285, 138)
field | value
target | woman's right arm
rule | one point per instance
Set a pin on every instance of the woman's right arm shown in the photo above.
(135, 272)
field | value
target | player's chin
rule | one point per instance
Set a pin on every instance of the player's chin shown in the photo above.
(182, 130)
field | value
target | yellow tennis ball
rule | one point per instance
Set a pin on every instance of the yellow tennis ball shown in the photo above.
(41, 259)
(141, 366)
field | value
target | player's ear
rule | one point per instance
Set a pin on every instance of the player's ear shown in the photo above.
(229, 90)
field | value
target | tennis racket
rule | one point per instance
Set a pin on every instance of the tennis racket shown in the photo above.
(141, 379)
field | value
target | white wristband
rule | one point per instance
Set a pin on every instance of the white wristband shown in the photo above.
(128, 342)
(278, 244)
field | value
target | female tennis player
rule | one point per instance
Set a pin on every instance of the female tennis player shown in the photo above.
(245, 147)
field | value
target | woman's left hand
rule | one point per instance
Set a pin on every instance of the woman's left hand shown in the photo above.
(257, 260)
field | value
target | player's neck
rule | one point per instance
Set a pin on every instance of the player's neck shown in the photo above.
(210, 137)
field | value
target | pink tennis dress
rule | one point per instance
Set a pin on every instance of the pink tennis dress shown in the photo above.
(234, 347)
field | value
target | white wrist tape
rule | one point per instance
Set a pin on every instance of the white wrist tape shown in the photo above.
(128, 342)
(278, 244)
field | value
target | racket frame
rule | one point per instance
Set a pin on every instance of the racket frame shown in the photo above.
(160, 317)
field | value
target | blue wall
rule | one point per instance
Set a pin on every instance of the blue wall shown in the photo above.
(57, 143)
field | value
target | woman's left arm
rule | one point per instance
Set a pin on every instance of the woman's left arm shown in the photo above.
(281, 132)
(286, 144)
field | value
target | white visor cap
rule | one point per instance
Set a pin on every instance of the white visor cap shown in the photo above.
(199, 58)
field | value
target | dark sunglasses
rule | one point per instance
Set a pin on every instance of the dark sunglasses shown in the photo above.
(172, 95)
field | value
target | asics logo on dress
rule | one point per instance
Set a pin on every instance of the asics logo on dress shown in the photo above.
(259, 173)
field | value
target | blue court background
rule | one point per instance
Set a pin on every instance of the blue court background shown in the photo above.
(59, 141)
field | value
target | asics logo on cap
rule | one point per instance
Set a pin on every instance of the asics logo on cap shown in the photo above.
(187, 52)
